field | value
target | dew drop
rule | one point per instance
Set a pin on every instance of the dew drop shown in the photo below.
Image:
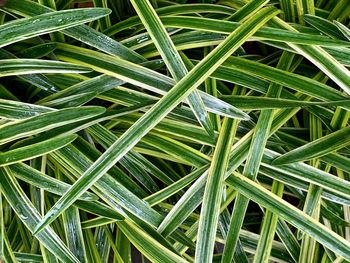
(20, 212)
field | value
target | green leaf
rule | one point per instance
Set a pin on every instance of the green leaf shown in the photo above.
(77, 126)
(37, 51)
(323, 60)
(138, 75)
(317, 148)
(171, 10)
(173, 188)
(297, 82)
(25, 28)
(2, 230)
(324, 25)
(258, 103)
(307, 173)
(7, 252)
(134, 175)
(81, 32)
(74, 234)
(268, 229)
(133, 158)
(145, 243)
(158, 111)
(46, 121)
(35, 150)
(177, 128)
(304, 7)
(177, 149)
(11, 67)
(288, 10)
(38, 80)
(265, 33)
(291, 214)
(96, 222)
(42, 181)
(80, 93)
(98, 209)
(106, 21)
(185, 206)
(13, 110)
(110, 189)
(254, 157)
(343, 29)
(171, 57)
(28, 257)
(30, 216)
(213, 193)
(247, 10)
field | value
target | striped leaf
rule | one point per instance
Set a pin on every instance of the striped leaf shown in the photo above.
(25, 28)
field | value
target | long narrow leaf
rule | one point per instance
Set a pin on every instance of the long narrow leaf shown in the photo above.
(171, 58)
(82, 33)
(294, 216)
(35, 150)
(158, 111)
(30, 216)
(46, 121)
(10, 67)
(317, 148)
(46, 23)
(213, 192)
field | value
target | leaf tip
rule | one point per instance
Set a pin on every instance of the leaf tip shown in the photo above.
(279, 161)
(38, 229)
(47, 219)
(246, 117)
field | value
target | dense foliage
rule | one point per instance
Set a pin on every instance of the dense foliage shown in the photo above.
(174, 131)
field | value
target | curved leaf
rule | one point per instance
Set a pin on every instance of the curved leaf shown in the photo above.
(25, 28)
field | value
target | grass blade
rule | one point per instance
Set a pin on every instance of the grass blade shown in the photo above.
(213, 193)
(45, 122)
(13, 110)
(298, 82)
(156, 128)
(149, 247)
(157, 112)
(259, 103)
(25, 28)
(11, 67)
(42, 181)
(268, 229)
(254, 158)
(171, 57)
(324, 25)
(294, 216)
(35, 150)
(317, 148)
(139, 76)
(30, 216)
(265, 33)
(323, 60)
(81, 32)
(343, 29)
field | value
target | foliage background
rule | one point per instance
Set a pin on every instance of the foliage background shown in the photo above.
(174, 131)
